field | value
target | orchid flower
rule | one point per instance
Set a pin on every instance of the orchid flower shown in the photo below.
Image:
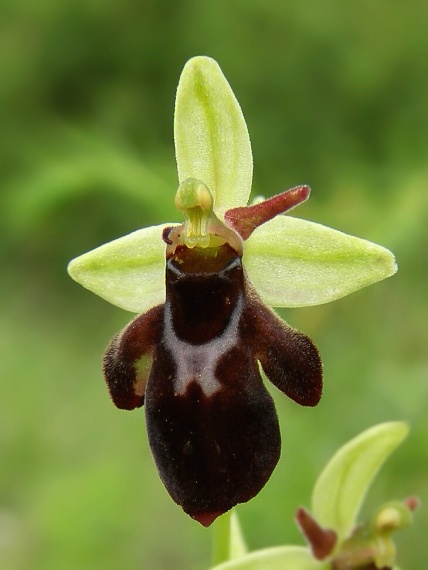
(202, 289)
(336, 539)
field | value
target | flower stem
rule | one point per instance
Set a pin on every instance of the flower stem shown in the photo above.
(221, 539)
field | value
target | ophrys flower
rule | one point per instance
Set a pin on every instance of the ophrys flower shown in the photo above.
(192, 355)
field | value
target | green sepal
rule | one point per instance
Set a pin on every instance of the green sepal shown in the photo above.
(296, 263)
(129, 272)
(211, 137)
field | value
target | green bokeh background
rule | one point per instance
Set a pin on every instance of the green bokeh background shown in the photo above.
(335, 95)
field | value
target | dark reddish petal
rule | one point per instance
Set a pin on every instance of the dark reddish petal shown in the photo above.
(213, 449)
(246, 219)
(127, 359)
(289, 358)
(321, 540)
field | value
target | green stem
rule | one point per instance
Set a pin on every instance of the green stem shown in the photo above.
(221, 539)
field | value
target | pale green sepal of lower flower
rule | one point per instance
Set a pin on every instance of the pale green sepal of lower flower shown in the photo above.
(129, 272)
(276, 558)
(342, 485)
(211, 137)
(296, 263)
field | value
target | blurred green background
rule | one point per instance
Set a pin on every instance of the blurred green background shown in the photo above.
(335, 95)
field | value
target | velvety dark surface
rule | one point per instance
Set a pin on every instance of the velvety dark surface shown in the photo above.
(125, 348)
(214, 435)
(289, 358)
(215, 452)
(203, 289)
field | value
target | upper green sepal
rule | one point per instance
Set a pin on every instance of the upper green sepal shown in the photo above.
(128, 272)
(296, 263)
(211, 137)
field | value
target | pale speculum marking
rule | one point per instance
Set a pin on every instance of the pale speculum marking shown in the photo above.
(198, 363)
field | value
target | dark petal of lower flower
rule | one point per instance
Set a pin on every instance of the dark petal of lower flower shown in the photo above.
(128, 358)
(321, 540)
(212, 451)
(289, 358)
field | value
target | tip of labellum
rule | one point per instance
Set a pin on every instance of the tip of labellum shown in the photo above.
(206, 519)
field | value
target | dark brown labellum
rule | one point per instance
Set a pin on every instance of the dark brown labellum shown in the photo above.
(211, 423)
